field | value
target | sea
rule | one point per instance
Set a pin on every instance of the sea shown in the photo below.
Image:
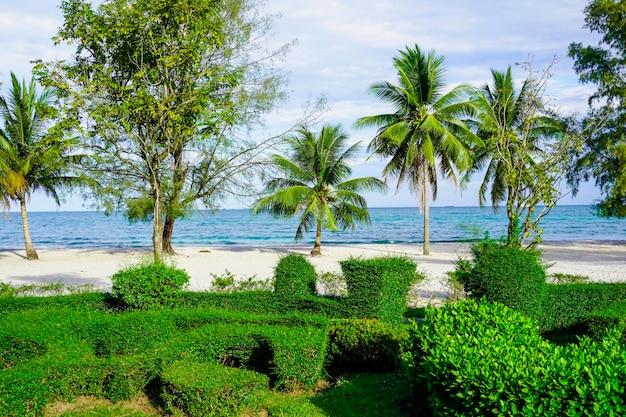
(92, 229)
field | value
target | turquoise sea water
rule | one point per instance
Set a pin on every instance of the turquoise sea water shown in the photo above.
(237, 227)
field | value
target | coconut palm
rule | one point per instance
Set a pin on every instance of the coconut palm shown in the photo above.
(316, 183)
(31, 158)
(426, 129)
(511, 125)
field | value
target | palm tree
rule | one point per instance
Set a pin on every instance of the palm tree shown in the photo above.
(31, 158)
(425, 130)
(511, 126)
(316, 183)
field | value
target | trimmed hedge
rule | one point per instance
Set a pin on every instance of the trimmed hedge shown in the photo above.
(294, 276)
(293, 357)
(508, 275)
(205, 389)
(378, 287)
(149, 286)
(566, 305)
(365, 345)
(469, 359)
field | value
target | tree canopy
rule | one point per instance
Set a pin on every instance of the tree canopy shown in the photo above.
(156, 89)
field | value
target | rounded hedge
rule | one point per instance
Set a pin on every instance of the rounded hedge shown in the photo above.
(294, 276)
(510, 275)
(149, 286)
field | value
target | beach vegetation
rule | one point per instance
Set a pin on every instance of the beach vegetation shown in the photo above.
(478, 359)
(228, 282)
(507, 274)
(315, 184)
(378, 288)
(295, 276)
(603, 154)
(161, 97)
(149, 286)
(426, 129)
(34, 155)
(526, 152)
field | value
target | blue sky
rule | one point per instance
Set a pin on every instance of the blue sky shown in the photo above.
(343, 46)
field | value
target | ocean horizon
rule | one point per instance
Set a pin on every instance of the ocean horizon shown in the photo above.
(94, 229)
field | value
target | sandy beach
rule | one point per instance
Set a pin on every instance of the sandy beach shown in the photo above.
(601, 261)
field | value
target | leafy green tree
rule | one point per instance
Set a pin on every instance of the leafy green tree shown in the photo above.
(157, 89)
(603, 154)
(316, 183)
(426, 129)
(523, 153)
(33, 155)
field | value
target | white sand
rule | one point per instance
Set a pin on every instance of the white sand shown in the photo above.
(600, 261)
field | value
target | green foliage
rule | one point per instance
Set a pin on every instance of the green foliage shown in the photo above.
(203, 389)
(378, 287)
(316, 182)
(149, 286)
(484, 359)
(6, 290)
(565, 305)
(129, 333)
(558, 278)
(15, 349)
(226, 283)
(364, 345)
(332, 284)
(425, 130)
(294, 276)
(505, 274)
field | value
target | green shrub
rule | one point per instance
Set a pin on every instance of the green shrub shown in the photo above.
(127, 376)
(149, 286)
(22, 393)
(509, 275)
(469, 359)
(378, 287)
(129, 333)
(15, 350)
(365, 345)
(6, 290)
(565, 305)
(204, 389)
(294, 276)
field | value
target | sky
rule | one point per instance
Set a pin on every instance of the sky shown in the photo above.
(344, 46)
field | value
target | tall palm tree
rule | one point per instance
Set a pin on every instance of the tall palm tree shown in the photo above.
(426, 128)
(316, 183)
(511, 125)
(31, 158)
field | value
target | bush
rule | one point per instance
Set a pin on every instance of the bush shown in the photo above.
(365, 345)
(203, 389)
(14, 350)
(565, 305)
(149, 286)
(469, 359)
(294, 276)
(512, 276)
(378, 287)
(130, 333)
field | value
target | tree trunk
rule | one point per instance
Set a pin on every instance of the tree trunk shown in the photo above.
(426, 211)
(168, 232)
(157, 230)
(31, 253)
(317, 248)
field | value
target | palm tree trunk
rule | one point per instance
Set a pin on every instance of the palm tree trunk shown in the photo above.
(426, 211)
(317, 248)
(31, 253)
